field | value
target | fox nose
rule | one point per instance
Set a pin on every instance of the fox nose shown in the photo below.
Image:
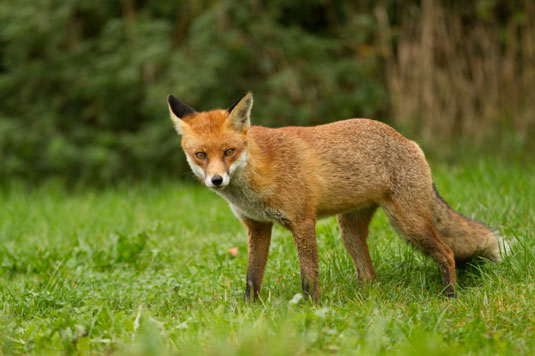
(217, 180)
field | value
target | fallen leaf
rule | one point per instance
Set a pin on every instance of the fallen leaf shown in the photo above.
(233, 251)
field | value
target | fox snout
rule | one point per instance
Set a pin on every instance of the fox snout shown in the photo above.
(217, 180)
(216, 173)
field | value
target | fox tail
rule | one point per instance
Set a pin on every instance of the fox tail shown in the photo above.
(466, 237)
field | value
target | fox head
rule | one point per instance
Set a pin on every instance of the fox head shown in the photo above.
(215, 142)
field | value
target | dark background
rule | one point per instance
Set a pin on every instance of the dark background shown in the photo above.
(83, 84)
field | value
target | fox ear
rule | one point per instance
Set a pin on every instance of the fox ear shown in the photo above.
(178, 110)
(240, 113)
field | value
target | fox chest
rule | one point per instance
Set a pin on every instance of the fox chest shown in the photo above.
(246, 203)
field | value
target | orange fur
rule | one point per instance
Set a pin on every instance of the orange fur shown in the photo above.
(294, 175)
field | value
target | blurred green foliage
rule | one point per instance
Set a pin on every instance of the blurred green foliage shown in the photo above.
(84, 83)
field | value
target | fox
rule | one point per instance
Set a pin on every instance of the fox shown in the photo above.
(293, 176)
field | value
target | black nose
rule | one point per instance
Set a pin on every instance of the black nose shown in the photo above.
(217, 180)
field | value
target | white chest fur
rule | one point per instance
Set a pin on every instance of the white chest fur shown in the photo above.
(245, 202)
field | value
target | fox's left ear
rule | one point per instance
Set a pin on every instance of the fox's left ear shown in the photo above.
(178, 110)
(240, 113)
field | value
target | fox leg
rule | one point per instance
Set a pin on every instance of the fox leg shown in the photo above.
(417, 227)
(304, 235)
(259, 238)
(354, 229)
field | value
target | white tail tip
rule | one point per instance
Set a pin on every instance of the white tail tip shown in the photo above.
(504, 247)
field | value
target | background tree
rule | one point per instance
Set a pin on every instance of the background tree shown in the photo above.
(83, 83)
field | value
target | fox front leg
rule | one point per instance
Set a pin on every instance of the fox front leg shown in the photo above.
(259, 238)
(304, 235)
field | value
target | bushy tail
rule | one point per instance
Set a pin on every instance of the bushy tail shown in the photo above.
(466, 237)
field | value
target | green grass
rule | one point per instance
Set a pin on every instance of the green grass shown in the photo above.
(145, 269)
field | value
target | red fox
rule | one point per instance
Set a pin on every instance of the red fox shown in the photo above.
(295, 175)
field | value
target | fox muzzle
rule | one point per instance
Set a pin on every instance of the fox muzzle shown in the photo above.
(217, 180)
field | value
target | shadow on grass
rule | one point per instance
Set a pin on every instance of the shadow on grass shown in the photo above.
(470, 273)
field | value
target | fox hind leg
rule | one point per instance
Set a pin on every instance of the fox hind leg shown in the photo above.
(354, 227)
(417, 227)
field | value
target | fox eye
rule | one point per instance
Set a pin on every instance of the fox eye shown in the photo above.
(200, 155)
(229, 152)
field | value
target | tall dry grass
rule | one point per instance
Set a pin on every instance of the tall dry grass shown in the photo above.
(456, 76)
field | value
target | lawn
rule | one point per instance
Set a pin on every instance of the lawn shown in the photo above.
(144, 269)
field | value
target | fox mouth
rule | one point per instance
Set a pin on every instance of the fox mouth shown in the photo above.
(217, 187)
